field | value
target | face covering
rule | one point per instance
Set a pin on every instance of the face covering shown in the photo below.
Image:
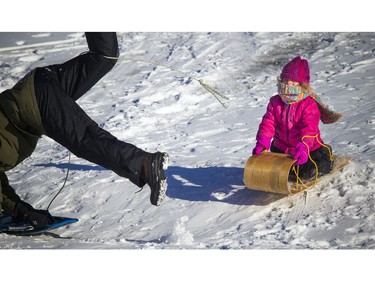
(291, 94)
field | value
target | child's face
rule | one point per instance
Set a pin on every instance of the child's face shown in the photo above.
(290, 82)
(290, 91)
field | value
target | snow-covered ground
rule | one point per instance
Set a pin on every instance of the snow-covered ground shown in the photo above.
(207, 205)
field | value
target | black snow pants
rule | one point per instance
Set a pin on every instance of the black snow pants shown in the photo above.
(57, 87)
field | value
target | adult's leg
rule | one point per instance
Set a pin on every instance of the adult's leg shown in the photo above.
(58, 86)
(66, 122)
(79, 74)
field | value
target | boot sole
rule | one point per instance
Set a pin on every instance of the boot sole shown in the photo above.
(163, 183)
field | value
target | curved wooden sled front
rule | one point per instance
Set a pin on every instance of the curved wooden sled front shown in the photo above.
(269, 172)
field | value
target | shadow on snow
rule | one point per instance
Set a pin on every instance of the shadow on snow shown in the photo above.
(203, 184)
(72, 167)
(221, 184)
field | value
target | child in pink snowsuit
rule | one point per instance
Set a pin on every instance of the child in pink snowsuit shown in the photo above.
(291, 123)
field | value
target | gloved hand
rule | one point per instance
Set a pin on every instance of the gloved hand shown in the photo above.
(24, 212)
(258, 149)
(263, 143)
(301, 155)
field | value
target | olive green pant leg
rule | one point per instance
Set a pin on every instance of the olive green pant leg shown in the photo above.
(8, 197)
(1, 200)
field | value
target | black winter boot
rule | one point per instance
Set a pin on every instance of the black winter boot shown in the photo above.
(153, 169)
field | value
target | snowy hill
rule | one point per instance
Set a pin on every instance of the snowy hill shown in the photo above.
(155, 108)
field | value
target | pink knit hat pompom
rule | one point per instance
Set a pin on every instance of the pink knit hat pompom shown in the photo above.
(296, 70)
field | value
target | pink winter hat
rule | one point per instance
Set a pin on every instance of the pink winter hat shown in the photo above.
(296, 70)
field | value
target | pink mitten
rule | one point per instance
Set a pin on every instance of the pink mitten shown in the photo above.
(301, 155)
(258, 149)
(263, 143)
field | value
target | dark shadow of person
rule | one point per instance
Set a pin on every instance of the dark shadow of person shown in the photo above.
(223, 184)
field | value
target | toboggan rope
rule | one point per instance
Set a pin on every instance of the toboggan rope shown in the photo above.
(296, 170)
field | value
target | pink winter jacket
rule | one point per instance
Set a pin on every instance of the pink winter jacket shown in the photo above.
(287, 124)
